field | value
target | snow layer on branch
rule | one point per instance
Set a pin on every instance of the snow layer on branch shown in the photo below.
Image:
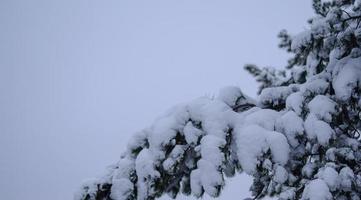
(173, 158)
(196, 183)
(315, 85)
(265, 118)
(316, 190)
(191, 133)
(276, 95)
(211, 178)
(146, 173)
(253, 141)
(295, 102)
(233, 95)
(312, 62)
(211, 149)
(330, 176)
(281, 174)
(346, 77)
(288, 194)
(165, 128)
(215, 115)
(88, 187)
(291, 125)
(301, 40)
(323, 107)
(317, 129)
(346, 177)
(320, 27)
(122, 187)
(137, 142)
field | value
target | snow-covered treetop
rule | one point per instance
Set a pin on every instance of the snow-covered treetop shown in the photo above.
(300, 139)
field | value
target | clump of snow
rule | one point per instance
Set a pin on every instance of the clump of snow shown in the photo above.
(212, 159)
(276, 95)
(88, 187)
(215, 115)
(316, 190)
(191, 133)
(316, 85)
(121, 189)
(330, 176)
(253, 141)
(211, 179)
(317, 129)
(211, 149)
(323, 107)
(288, 194)
(308, 169)
(295, 102)
(301, 40)
(298, 73)
(137, 142)
(312, 62)
(165, 129)
(233, 96)
(147, 174)
(196, 184)
(291, 125)
(346, 77)
(346, 177)
(173, 158)
(281, 174)
(230, 95)
(265, 118)
(320, 27)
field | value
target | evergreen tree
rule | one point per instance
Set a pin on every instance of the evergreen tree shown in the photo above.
(299, 140)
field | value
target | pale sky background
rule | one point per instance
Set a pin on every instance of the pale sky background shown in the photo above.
(78, 77)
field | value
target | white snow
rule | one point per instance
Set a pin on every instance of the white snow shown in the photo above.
(288, 194)
(330, 176)
(320, 27)
(318, 129)
(121, 184)
(311, 64)
(253, 141)
(315, 85)
(120, 189)
(191, 133)
(276, 95)
(89, 187)
(210, 163)
(346, 177)
(165, 128)
(281, 174)
(291, 125)
(323, 107)
(300, 40)
(232, 96)
(346, 77)
(211, 149)
(196, 184)
(146, 173)
(210, 177)
(316, 190)
(295, 102)
(265, 118)
(174, 157)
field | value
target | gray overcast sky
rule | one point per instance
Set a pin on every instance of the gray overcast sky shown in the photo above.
(78, 77)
